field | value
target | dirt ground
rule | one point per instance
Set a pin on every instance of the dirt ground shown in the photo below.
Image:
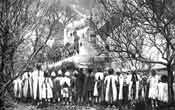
(22, 106)
(11, 105)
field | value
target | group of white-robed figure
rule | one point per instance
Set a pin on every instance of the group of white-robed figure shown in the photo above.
(39, 87)
(157, 90)
(33, 84)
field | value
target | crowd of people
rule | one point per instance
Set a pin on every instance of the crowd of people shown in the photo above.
(89, 86)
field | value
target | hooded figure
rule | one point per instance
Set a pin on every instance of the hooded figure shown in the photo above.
(38, 79)
(25, 79)
(79, 83)
(133, 86)
(35, 83)
(57, 86)
(40, 82)
(111, 88)
(44, 89)
(27, 84)
(49, 87)
(98, 87)
(17, 87)
(65, 83)
(121, 84)
(163, 89)
(88, 85)
(153, 88)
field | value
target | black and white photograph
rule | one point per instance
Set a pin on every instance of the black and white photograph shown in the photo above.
(87, 54)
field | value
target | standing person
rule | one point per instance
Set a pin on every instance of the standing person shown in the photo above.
(18, 88)
(38, 78)
(163, 89)
(25, 80)
(65, 85)
(88, 86)
(120, 88)
(30, 84)
(54, 75)
(153, 88)
(27, 85)
(143, 84)
(44, 89)
(49, 87)
(85, 85)
(40, 82)
(79, 86)
(98, 87)
(110, 82)
(57, 86)
(73, 86)
(133, 87)
(35, 84)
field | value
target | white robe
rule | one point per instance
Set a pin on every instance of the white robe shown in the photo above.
(98, 76)
(49, 87)
(44, 89)
(163, 92)
(108, 79)
(41, 80)
(25, 80)
(38, 78)
(153, 87)
(35, 83)
(31, 84)
(121, 81)
(17, 87)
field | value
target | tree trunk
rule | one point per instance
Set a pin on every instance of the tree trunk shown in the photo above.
(1, 69)
(170, 85)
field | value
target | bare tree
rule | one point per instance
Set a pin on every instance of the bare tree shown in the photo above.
(142, 26)
(25, 23)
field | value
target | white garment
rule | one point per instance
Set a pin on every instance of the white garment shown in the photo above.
(108, 79)
(65, 90)
(163, 92)
(41, 80)
(64, 80)
(17, 87)
(130, 86)
(153, 87)
(31, 84)
(38, 79)
(99, 76)
(35, 83)
(121, 81)
(25, 80)
(44, 89)
(49, 87)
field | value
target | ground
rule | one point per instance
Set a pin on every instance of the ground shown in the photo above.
(23, 106)
(12, 105)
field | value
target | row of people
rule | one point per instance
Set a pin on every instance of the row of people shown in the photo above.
(85, 86)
